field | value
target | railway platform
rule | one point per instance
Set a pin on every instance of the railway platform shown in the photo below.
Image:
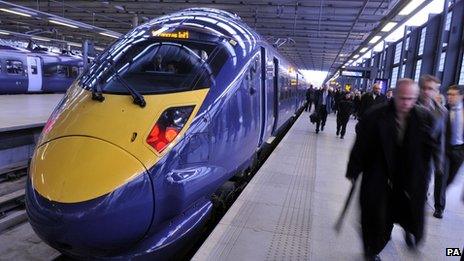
(289, 209)
(24, 111)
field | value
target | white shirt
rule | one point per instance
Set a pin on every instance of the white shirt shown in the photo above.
(457, 128)
(324, 97)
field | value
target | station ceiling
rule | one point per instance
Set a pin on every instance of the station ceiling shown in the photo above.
(314, 34)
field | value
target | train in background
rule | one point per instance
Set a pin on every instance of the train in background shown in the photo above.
(140, 149)
(36, 70)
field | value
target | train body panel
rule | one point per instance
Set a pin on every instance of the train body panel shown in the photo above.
(252, 94)
(25, 71)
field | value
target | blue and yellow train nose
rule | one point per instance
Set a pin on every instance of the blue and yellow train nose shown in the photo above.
(86, 195)
(89, 191)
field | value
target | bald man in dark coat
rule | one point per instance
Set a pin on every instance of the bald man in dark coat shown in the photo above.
(392, 151)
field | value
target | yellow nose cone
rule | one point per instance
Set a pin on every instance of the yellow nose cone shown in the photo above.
(76, 168)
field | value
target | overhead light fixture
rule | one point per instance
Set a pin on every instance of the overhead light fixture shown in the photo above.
(356, 56)
(110, 35)
(99, 48)
(15, 12)
(41, 38)
(363, 50)
(62, 23)
(389, 26)
(410, 7)
(375, 39)
(4, 33)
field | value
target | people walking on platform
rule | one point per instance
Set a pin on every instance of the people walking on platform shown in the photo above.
(338, 96)
(357, 103)
(309, 97)
(392, 150)
(345, 108)
(429, 88)
(454, 147)
(323, 106)
(389, 94)
(371, 98)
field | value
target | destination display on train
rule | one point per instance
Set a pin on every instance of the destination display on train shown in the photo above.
(175, 35)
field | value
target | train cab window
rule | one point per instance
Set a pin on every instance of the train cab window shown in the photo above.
(14, 67)
(153, 66)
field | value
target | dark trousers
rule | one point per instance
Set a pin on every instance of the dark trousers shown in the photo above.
(454, 159)
(342, 121)
(322, 112)
(309, 104)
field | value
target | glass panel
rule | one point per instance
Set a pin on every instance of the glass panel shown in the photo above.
(14, 67)
(397, 52)
(154, 66)
(402, 70)
(418, 70)
(442, 61)
(448, 21)
(422, 41)
(461, 76)
(394, 77)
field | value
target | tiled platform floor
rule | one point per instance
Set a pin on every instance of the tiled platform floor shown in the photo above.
(288, 210)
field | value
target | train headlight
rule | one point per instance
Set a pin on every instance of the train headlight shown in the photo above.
(168, 127)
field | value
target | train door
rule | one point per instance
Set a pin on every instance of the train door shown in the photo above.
(34, 73)
(276, 94)
(262, 97)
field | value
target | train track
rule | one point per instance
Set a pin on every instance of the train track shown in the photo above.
(12, 180)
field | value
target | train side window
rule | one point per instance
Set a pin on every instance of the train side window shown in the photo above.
(33, 66)
(62, 70)
(14, 67)
(73, 71)
(49, 69)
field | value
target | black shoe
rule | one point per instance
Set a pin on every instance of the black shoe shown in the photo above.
(317, 131)
(410, 240)
(338, 132)
(438, 213)
(341, 137)
(373, 258)
(322, 128)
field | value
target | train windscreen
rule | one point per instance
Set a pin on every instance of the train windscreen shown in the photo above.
(158, 66)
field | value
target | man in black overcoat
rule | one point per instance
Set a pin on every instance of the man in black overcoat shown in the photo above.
(392, 151)
(345, 109)
(323, 106)
(370, 99)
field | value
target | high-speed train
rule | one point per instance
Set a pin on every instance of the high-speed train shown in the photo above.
(129, 161)
(36, 71)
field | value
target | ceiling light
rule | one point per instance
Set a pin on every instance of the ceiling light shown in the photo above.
(41, 38)
(363, 50)
(62, 23)
(389, 26)
(375, 39)
(4, 33)
(15, 12)
(109, 35)
(410, 7)
(99, 48)
(356, 56)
